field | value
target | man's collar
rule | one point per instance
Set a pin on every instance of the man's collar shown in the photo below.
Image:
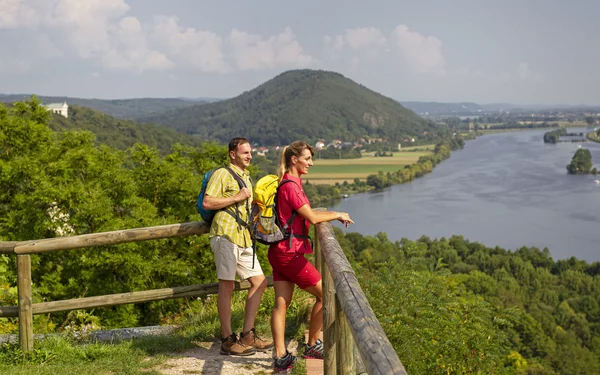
(238, 169)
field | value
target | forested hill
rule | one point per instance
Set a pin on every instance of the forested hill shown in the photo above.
(120, 134)
(300, 104)
(119, 108)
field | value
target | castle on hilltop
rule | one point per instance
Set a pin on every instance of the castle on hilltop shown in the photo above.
(59, 108)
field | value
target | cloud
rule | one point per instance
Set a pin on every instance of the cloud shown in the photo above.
(422, 54)
(104, 34)
(16, 13)
(129, 49)
(87, 24)
(364, 37)
(253, 52)
(199, 49)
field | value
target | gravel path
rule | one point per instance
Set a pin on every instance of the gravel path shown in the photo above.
(205, 359)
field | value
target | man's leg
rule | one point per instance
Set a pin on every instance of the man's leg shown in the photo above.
(226, 260)
(249, 269)
(259, 284)
(224, 306)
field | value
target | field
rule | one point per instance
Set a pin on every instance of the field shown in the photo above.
(330, 171)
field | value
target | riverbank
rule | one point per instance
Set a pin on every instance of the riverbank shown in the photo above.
(593, 136)
(326, 195)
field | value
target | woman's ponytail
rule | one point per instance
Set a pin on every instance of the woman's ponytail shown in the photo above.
(294, 149)
(281, 169)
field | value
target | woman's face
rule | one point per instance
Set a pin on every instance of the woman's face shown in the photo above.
(303, 162)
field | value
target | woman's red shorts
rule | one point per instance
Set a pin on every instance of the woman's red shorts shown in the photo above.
(293, 267)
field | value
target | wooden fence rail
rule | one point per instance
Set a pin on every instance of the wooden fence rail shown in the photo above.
(350, 326)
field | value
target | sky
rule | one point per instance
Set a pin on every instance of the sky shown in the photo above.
(485, 51)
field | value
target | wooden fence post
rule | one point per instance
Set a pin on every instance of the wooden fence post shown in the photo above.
(346, 360)
(25, 302)
(329, 323)
(317, 251)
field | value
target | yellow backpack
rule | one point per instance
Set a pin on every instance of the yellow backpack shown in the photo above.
(265, 225)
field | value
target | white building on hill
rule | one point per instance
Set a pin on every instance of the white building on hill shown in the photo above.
(59, 108)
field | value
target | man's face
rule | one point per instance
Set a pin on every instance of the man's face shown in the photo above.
(242, 155)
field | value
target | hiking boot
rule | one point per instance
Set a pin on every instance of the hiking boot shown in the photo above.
(251, 339)
(284, 363)
(231, 346)
(315, 351)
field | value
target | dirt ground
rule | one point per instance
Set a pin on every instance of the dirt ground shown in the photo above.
(205, 359)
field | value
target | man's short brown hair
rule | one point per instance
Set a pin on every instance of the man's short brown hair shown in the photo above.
(235, 142)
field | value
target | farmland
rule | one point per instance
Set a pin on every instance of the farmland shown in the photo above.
(330, 171)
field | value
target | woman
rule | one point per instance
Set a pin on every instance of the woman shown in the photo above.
(290, 267)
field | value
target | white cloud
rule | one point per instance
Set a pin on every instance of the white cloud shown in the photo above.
(97, 30)
(196, 48)
(420, 53)
(423, 54)
(16, 13)
(364, 37)
(129, 49)
(101, 32)
(253, 52)
(87, 23)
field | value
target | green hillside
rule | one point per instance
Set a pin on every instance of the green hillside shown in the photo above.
(300, 104)
(119, 108)
(120, 134)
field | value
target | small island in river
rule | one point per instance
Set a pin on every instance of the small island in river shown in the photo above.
(581, 163)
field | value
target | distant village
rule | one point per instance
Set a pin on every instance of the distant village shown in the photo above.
(322, 144)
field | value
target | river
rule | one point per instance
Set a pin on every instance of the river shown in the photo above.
(508, 190)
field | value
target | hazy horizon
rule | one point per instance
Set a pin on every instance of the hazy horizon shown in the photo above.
(198, 98)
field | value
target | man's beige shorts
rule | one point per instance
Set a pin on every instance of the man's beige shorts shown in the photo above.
(231, 259)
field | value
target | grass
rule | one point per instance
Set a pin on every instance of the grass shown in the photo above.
(592, 136)
(330, 171)
(62, 354)
(353, 168)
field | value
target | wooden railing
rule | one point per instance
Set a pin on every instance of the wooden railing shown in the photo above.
(350, 326)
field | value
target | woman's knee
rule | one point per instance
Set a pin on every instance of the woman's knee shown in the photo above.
(316, 291)
(282, 304)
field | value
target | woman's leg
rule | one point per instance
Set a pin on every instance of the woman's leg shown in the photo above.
(283, 296)
(316, 315)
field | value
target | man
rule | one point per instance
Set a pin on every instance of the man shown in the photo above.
(231, 244)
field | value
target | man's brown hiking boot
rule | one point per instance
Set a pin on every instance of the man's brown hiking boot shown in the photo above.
(251, 339)
(231, 346)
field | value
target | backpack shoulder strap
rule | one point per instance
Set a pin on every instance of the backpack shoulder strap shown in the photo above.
(236, 177)
(236, 215)
(286, 225)
(283, 182)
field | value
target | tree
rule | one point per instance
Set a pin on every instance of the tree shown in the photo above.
(589, 120)
(581, 162)
(376, 181)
